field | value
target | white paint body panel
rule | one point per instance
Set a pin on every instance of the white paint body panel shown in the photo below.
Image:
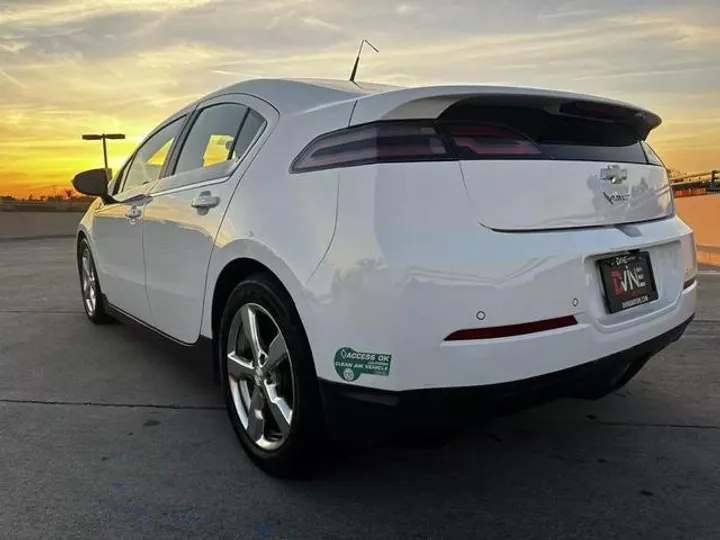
(118, 250)
(285, 222)
(393, 258)
(525, 195)
(178, 239)
(178, 242)
(409, 265)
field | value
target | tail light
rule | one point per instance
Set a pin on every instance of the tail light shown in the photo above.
(397, 142)
(486, 141)
(418, 140)
(374, 143)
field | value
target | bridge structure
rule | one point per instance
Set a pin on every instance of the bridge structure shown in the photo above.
(696, 183)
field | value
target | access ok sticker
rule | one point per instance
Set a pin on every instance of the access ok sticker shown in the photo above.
(350, 364)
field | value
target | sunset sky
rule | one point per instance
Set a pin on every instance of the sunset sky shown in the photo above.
(74, 66)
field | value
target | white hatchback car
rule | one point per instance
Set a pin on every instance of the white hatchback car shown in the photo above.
(365, 256)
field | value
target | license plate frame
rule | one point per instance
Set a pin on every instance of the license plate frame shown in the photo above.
(628, 281)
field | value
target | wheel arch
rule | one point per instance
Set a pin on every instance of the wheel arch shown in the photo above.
(233, 263)
(233, 273)
(84, 233)
(81, 235)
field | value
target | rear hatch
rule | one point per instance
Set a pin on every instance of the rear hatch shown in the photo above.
(543, 160)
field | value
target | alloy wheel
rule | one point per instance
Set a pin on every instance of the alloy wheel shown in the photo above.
(88, 282)
(260, 376)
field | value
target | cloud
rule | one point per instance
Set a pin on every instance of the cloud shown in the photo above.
(12, 46)
(319, 23)
(124, 65)
(12, 80)
(53, 13)
(405, 9)
(646, 74)
(694, 35)
(563, 14)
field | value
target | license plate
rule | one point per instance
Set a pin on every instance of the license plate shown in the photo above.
(628, 281)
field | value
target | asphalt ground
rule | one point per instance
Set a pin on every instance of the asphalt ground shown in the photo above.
(108, 432)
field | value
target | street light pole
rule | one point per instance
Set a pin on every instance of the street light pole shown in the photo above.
(104, 140)
(103, 137)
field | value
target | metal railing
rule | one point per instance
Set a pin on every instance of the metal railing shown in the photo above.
(705, 177)
(696, 183)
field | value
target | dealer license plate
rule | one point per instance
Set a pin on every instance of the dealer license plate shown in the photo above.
(628, 281)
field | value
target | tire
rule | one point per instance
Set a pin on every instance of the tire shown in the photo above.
(261, 383)
(90, 286)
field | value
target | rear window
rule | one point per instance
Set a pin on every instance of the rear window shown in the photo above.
(555, 136)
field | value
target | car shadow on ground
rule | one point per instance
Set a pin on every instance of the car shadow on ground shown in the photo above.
(182, 362)
(576, 432)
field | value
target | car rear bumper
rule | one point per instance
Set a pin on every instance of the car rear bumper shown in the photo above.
(407, 302)
(350, 409)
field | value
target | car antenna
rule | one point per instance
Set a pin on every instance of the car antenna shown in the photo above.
(357, 60)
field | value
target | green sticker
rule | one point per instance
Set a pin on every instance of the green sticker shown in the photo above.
(350, 364)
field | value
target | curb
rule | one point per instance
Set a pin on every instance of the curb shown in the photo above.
(42, 237)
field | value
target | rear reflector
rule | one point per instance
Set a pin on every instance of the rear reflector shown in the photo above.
(512, 330)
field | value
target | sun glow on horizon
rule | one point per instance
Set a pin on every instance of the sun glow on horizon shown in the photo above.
(125, 65)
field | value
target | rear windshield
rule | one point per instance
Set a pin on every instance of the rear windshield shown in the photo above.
(557, 137)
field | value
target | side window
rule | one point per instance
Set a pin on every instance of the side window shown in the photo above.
(151, 156)
(211, 137)
(253, 125)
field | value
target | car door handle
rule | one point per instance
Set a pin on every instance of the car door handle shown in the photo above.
(205, 200)
(134, 212)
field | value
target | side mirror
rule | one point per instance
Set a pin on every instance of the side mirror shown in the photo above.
(94, 183)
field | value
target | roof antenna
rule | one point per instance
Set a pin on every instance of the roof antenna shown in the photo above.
(357, 60)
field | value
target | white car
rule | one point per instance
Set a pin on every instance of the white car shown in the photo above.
(366, 258)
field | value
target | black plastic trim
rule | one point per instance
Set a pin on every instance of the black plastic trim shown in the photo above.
(183, 120)
(172, 157)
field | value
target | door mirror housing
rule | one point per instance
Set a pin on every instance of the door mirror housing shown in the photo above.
(94, 183)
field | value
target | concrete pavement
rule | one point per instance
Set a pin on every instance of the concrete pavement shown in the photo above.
(107, 432)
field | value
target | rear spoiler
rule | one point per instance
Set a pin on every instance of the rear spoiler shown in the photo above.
(430, 102)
